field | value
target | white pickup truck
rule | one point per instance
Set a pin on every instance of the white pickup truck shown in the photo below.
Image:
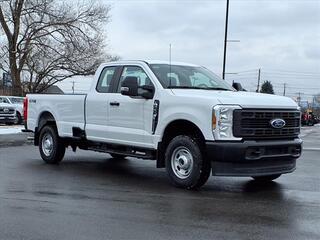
(181, 115)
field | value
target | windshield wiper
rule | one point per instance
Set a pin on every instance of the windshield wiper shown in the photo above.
(202, 88)
(218, 88)
(186, 87)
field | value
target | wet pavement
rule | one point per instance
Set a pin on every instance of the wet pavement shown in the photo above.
(93, 196)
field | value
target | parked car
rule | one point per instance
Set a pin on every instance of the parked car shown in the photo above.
(308, 118)
(17, 102)
(8, 113)
(181, 115)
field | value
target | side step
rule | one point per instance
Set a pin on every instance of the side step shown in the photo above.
(123, 150)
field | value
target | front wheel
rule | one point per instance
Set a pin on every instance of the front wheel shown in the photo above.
(185, 164)
(51, 147)
(18, 118)
(267, 178)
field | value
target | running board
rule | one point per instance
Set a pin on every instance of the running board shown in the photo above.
(123, 150)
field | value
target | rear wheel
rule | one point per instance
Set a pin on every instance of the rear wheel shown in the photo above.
(267, 178)
(51, 147)
(185, 164)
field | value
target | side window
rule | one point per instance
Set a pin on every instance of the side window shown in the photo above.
(133, 71)
(105, 78)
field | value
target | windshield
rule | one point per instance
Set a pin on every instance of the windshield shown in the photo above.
(16, 100)
(4, 100)
(176, 76)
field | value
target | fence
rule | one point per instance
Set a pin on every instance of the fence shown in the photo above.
(6, 91)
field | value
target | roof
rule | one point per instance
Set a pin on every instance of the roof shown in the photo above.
(13, 97)
(53, 90)
(153, 62)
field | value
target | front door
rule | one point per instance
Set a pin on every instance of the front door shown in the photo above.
(127, 114)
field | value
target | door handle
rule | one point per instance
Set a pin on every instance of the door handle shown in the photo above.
(114, 104)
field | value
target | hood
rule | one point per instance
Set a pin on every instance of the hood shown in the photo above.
(6, 105)
(244, 99)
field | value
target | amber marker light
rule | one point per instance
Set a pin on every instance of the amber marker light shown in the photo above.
(214, 120)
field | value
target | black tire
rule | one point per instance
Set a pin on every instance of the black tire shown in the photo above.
(117, 156)
(55, 153)
(180, 149)
(267, 178)
(19, 118)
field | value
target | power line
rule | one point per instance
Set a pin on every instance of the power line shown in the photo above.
(288, 71)
(250, 70)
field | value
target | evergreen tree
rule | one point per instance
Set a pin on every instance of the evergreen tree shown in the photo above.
(267, 87)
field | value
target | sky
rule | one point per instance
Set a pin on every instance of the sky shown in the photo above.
(281, 37)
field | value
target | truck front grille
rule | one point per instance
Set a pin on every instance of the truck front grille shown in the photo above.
(6, 111)
(256, 123)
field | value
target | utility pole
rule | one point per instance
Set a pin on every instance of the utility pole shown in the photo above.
(299, 98)
(284, 89)
(225, 41)
(259, 75)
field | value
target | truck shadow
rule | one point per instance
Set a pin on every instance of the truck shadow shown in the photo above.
(142, 175)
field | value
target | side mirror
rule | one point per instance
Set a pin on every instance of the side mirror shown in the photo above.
(147, 91)
(237, 86)
(129, 86)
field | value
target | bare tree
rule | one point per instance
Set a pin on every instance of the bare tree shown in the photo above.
(47, 41)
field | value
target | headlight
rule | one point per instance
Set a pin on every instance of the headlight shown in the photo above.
(222, 120)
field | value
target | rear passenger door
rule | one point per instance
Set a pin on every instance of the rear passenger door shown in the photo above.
(97, 105)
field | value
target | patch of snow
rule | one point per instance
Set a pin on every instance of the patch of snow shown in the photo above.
(10, 130)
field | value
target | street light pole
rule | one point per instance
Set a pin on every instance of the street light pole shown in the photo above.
(225, 41)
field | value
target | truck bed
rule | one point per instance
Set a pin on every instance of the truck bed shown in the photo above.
(68, 111)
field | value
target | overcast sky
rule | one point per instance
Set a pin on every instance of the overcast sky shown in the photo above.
(280, 37)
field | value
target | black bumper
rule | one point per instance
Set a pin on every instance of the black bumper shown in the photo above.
(253, 158)
(8, 119)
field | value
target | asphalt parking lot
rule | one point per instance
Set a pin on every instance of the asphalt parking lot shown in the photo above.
(93, 196)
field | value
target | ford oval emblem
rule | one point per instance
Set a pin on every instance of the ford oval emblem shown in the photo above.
(278, 123)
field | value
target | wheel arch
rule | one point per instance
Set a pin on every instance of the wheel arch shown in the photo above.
(45, 118)
(173, 129)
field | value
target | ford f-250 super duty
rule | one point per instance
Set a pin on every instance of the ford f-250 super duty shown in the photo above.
(181, 115)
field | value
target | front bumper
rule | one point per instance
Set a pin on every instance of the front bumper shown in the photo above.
(7, 119)
(253, 158)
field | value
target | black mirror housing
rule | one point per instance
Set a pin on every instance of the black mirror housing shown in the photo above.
(147, 91)
(237, 86)
(129, 86)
